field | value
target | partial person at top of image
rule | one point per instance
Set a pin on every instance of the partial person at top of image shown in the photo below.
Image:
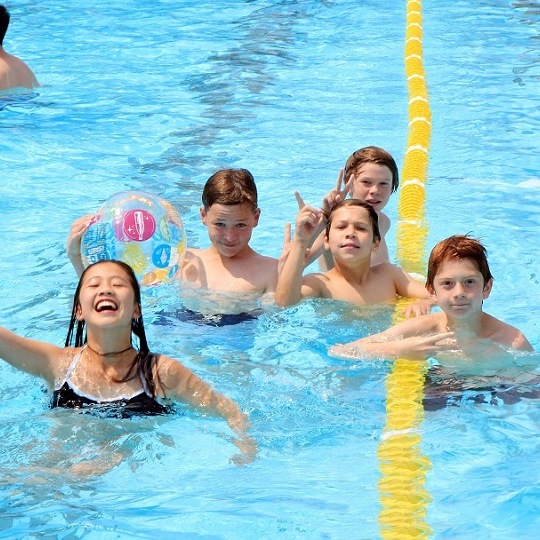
(460, 280)
(106, 366)
(230, 212)
(352, 237)
(14, 73)
(370, 175)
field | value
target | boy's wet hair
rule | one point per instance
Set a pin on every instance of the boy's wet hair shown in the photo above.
(373, 216)
(230, 186)
(144, 360)
(455, 248)
(372, 154)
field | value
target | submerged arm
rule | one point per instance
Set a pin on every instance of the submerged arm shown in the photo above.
(178, 382)
(409, 339)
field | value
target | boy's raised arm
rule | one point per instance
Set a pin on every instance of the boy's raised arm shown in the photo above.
(336, 195)
(289, 287)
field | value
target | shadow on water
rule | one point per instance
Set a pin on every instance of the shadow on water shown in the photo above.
(229, 85)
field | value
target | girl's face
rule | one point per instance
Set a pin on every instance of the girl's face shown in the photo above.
(460, 289)
(373, 185)
(106, 297)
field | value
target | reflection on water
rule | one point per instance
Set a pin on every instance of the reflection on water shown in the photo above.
(229, 83)
(159, 97)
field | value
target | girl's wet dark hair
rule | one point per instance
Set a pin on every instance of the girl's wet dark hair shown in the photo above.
(143, 362)
(4, 23)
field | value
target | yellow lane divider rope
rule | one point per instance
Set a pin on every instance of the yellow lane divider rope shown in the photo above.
(403, 468)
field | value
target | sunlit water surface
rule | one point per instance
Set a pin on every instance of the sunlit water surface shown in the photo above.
(157, 96)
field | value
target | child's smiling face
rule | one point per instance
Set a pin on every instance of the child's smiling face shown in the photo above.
(230, 226)
(372, 184)
(460, 289)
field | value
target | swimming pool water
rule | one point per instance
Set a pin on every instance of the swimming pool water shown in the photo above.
(158, 96)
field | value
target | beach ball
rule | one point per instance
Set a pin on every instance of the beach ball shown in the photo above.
(140, 229)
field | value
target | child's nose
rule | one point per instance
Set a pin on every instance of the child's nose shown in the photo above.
(459, 290)
(105, 290)
(230, 234)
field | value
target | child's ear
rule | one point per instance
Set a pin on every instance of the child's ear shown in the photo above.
(487, 288)
(325, 243)
(376, 244)
(431, 290)
(78, 313)
(257, 215)
(202, 211)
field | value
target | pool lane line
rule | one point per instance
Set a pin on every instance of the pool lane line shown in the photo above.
(403, 467)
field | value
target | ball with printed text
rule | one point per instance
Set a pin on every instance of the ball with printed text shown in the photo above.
(140, 229)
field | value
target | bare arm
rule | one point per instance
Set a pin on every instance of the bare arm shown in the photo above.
(521, 343)
(178, 382)
(289, 288)
(336, 195)
(407, 286)
(29, 355)
(411, 339)
(73, 244)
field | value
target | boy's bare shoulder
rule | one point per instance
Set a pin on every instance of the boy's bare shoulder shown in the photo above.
(264, 259)
(386, 269)
(318, 277)
(384, 224)
(505, 334)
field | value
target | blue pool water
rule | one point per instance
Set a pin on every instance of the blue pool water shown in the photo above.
(157, 96)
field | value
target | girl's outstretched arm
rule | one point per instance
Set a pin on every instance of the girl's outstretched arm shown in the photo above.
(29, 355)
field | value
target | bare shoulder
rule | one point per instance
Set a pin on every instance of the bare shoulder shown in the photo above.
(318, 277)
(170, 374)
(505, 334)
(386, 269)
(318, 285)
(261, 269)
(384, 224)
(59, 359)
(267, 262)
(64, 359)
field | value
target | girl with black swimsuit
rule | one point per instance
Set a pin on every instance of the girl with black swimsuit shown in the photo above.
(100, 370)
